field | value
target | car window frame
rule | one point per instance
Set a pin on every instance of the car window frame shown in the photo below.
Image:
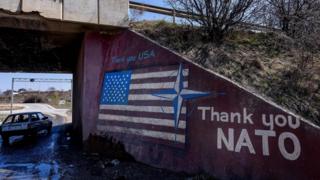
(43, 116)
(17, 116)
(5, 121)
(14, 119)
(24, 120)
(30, 117)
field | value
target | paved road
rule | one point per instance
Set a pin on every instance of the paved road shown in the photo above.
(27, 158)
(55, 156)
(61, 116)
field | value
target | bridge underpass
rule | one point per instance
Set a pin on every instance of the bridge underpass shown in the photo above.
(31, 43)
(32, 51)
(54, 47)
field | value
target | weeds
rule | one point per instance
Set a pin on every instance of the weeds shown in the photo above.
(270, 63)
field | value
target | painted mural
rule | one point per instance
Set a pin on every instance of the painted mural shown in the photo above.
(149, 103)
(171, 113)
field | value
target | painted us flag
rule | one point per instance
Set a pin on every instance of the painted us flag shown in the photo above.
(128, 105)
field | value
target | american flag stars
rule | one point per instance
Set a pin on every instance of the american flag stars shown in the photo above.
(116, 87)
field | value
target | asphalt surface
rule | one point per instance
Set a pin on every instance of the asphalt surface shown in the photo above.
(56, 156)
(26, 158)
(57, 114)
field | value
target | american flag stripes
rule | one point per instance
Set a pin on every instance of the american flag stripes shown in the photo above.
(128, 104)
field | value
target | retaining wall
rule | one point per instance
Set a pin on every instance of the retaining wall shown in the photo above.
(171, 113)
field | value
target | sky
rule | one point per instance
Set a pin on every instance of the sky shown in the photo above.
(153, 2)
(6, 78)
(153, 16)
(6, 81)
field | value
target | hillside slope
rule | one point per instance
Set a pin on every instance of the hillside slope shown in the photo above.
(266, 63)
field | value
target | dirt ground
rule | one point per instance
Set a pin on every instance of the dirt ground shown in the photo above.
(7, 107)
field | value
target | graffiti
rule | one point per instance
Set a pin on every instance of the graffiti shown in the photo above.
(128, 104)
(280, 121)
(195, 119)
(178, 94)
(231, 143)
(232, 117)
(143, 55)
(244, 140)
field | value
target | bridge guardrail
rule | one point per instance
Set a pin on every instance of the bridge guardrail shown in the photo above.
(181, 14)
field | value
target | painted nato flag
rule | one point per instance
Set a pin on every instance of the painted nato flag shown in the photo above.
(116, 88)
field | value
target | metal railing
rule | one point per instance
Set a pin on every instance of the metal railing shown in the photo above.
(159, 10)
(181, 14)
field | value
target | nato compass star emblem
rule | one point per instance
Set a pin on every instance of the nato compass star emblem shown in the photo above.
(178, 94)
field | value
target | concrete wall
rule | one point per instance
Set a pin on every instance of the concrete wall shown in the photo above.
(88, 76)
(119, 15)
(47, 8)
(10, 5)
(105, 12)
(82, 10)
(223, 129)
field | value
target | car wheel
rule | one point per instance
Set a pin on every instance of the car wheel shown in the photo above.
(5, 139)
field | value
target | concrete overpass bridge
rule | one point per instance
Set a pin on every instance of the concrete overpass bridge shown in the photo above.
(167, 111)
(46, 35)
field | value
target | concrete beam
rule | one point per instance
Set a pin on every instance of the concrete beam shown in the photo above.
(103, 12)
(83, 11)
(49, 9)
(10, 5)
(119, 15)
(33, 21)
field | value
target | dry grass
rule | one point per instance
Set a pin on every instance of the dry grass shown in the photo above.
(268, 63)
(6, 107)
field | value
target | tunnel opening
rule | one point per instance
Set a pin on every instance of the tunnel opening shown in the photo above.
(47, 55)
(49, 93)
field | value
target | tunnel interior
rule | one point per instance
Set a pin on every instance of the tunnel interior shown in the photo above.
(38, 51)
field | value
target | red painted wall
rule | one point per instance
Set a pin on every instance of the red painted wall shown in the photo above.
(290, 146)
(87, 82)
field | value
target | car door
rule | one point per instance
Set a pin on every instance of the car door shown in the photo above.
(44, 122)
(7, 123)
(16, 123)
(35, 121)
